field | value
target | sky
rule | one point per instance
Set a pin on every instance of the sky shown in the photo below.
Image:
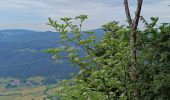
(33, 14)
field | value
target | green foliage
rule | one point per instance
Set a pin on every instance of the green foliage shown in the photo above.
(104, 64)
(154, 61)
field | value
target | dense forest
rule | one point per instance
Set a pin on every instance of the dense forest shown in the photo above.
(22, 55)
(128, 63)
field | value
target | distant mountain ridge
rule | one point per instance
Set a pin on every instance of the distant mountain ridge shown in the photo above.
(21, 54)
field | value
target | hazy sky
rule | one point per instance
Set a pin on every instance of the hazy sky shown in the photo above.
(33, 14)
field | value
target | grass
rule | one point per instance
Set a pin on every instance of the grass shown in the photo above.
(53, 90)
(36, 79)
(7, 97)
(1, 89)
(33, 90)
(28, 93)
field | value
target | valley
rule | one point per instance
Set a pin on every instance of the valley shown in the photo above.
(30, 91)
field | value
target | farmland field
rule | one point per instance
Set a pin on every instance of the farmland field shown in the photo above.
(38, 93)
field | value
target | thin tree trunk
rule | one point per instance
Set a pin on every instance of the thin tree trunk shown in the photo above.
(133, 70)
(133, 24)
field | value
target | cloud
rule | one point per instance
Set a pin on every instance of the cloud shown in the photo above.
(33, 13)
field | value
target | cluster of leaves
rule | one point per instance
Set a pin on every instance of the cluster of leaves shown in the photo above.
(104, 64)
(154, 61)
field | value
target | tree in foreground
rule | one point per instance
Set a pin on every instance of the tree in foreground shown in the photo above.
(104, 63)
(127, 63)
(133, 24)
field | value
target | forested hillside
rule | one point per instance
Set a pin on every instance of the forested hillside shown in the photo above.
(22, 56)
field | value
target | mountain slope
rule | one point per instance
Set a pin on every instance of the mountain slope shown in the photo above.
(21, 54)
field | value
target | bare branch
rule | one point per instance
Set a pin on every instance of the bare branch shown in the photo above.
(137, 14)
(129, 19)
